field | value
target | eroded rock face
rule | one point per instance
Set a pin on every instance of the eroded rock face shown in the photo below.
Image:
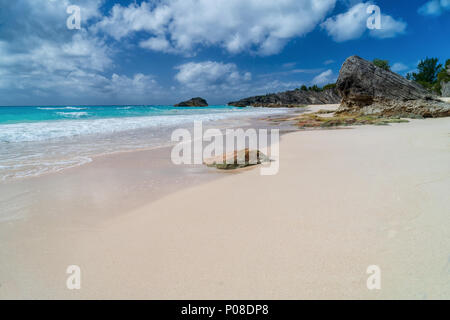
(194, 102)
(290, 99)
(446, 89)
(368, 89)
(361, 83)
(414, 109)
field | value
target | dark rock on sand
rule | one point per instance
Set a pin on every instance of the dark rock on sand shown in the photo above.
(194, 102)
(237, 159)
(290, 99)
(370, 90)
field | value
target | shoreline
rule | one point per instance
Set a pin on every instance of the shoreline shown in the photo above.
(161, 175)
(343, 200)
(73, 151)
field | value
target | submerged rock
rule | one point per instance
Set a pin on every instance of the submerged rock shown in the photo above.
(370, 90)
(194, 102)
(237, 159)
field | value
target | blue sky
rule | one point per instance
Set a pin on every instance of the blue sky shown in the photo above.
(164, 51)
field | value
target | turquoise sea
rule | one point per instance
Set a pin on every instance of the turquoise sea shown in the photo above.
(10, 115)
(43, 123)
(41, 139)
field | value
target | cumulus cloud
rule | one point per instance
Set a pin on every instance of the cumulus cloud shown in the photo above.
(352, 24)
(180, 26)
(399, 67)
(210, 75)
(139, 84)
(40, 57)
(324, 78)
(435, 7)
(390, 28)
(225, 82)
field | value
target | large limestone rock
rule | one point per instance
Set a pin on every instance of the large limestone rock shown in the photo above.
(368, 89)
(290, 99)
(194, 102)
(446, 89)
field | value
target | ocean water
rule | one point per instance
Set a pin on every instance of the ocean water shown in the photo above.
(41, 139)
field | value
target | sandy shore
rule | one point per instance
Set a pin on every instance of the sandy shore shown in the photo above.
(343, 200)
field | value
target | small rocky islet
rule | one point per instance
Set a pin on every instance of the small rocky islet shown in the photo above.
(194, 102)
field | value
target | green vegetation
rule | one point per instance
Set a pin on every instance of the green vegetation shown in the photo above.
(428, 70)
(430, 74)
(384, 64)
(324, 111)
(443, 76)
(316, 88)
(329, 86)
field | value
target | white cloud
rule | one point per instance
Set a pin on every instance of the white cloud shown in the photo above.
(123, 21)
(40, 57)
(347, 26)
(353, 24)
(139, 84)
(224, 82)
(324, 78)
(262, 26)
(399, 67)
(435, 7)
(390, 28)
(210, 75)
(157, 44)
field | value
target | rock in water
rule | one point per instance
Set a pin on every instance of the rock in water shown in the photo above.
(446, 89)
(237, 159)
(194, 102)
(290, 99)
(370, 90)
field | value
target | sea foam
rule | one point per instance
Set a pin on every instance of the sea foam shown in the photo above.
(47, 130)
(40, 147)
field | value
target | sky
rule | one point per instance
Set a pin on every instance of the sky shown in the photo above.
(160, 52)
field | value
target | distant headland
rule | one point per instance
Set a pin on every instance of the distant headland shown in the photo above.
(194, 102)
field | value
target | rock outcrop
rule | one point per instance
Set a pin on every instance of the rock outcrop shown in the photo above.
(445, 89)
(194, 102)
(237, 159)
(370, 90)
(290, 99)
